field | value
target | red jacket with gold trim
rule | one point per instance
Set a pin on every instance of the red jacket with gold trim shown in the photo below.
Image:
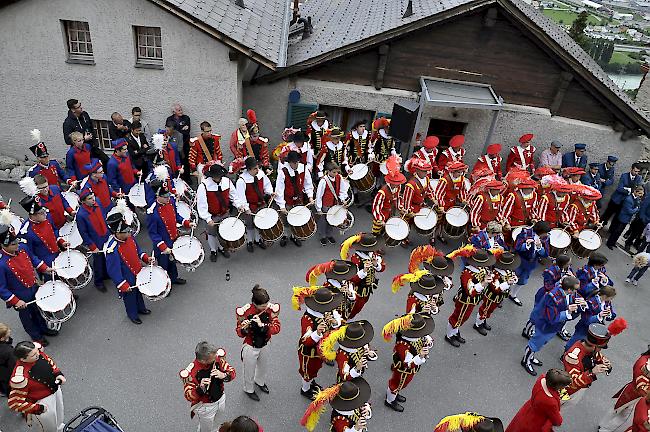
(196, 370)
(31, 382)
(269, 318)
(639, 385)
(578, 362)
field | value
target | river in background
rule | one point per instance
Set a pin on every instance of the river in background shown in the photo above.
(626, 82)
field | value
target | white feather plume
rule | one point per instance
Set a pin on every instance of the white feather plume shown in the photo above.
(6, 217)
(36, 135)
(28, 186)
(158, 141)
(123, 208)
(161, 172)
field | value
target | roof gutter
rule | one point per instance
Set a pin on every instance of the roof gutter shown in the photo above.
(217, 35)
(284, 37)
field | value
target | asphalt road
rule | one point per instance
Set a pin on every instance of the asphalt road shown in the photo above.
(132, 371)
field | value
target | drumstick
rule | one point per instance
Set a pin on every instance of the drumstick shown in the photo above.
(35, 300)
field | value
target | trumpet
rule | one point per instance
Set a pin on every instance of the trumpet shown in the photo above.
(428, 343)
(329, 319)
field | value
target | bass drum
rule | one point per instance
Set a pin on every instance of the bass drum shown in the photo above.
(301, 222)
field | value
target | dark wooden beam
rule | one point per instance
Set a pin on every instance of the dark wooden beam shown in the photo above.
(233, 55)
(630, 134)
(565, 80)
(490, 18)
(381, 65)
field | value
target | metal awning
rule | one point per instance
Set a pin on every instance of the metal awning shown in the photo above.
(458, 94)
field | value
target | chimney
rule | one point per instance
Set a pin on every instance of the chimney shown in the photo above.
(307, 29)
(409, 10)
(240, 3)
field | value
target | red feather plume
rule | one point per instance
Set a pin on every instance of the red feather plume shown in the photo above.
(317, 270)
(617, 326)
(252, 117)
(421, 254)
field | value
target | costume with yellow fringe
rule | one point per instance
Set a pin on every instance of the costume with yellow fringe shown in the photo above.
(406, 359)
(349, 402)
(368, 265)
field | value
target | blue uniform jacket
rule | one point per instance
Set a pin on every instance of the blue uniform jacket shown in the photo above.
(644, 211)
(591, 180)
(624, 183)
(86, 229)
(569, 160)
(481, 240)
(71, 166)
(114, 176)
(118, 271)
(587, 273)
(35, 244)
(36, 169)
(156, 227)
(550, 314)
(607, 175)
(10, 286)
(630, 208)
(594, 306)
(530, 254)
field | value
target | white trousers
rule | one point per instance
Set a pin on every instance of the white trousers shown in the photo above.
(255, 366)
(52, 419)
(206, 413)
(618, 420)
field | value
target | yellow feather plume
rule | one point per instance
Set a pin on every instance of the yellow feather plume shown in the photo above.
(465, 251)
(316, 409)
(397, 325)
(401, 279)
(347, 244)
(456, 423)
(299, 294)
(326, 345)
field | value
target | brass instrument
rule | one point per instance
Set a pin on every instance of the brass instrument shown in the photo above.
(365, 412)
(428, 343)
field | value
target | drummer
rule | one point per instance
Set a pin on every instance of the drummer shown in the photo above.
(38, 231)
(120, 171)
(49, 168)
(124, 261)
(91, 222)
(388, 200)
(51, 197)
(358, 144)
(427, 153)
(18, 284)
(553, 204)
(159, 171)
(213, 200)
(486, 205)
(582, 212)
(454, 153)
(491, 161)
(254, 190)
(293, 187)
(334, 150)
(520, 206)
(332, 190)
(162, 218)
(96, 180)
(382, 145)
(418, 191)
(452, 188)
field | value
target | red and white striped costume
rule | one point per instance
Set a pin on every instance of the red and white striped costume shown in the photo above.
(485, 208)
(518, 210)
(386, 203)
(424, 155)
(450, 155)
(486, 163)
(578, 216)
(451, 192)
(416, 191)
(521, 157)
(552, 210)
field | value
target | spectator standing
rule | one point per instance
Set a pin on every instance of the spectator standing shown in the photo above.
(551, 157)
(79, 120)
(138, 145)
(592, 177)
(119, 127)
(634, 234)
(136, 115)
(641, 262)
(7, 358)
(631, 206)
(182, 125)
(607, 171)
(625, 184)
(576, 158)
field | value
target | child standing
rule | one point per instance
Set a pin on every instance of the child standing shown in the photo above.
(641, 263)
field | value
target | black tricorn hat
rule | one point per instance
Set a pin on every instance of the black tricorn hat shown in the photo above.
(321, 115)
(368, 242)
(357, 334)
(353, 394)
(440, 266)
(428, 285)
(421, 325)
(324, 300)
(342, 270)
(507, 261)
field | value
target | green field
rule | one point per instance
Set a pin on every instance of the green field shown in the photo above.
(622, 58)
(567, 17)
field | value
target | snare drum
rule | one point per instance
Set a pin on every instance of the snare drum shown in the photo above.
(340, 217)
(137, 196)
(267, 221)
(302, 222)
(397, 230)
(73, 267)
(232, 233)
(184, 191)
(425, 221)
(456, 220)
(70, 233)
(55, 301)
(587, 242)
(362, 178)
(559, 240)
(153, 282)
(72, 199)
(185, 211)
(188, 251)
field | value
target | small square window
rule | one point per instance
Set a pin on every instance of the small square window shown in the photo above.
(102, 134)
(148, 47)
(78, 42)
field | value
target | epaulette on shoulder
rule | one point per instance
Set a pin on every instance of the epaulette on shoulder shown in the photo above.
(573, 356)
(151, 208)
(221, 352)
(185, 373)
(110, 246)
(19, 380)
(275, 308)
(240, 311)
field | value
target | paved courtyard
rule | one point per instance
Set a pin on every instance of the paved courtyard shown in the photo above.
(132, 371)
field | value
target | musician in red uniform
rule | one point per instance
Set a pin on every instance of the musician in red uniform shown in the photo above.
(333, 150)
(641, 420)
(382, 145)
(582, 212)
(36, 388)
(489, 162)
(293, 187)
(369, 262)
(428, 153)
(319, 317)
(497, 291)
(387, 201)
(455, 153)
(257, 322)
(96, 181)
(203, 384)
(425, 295)
(205, 147)
(522, 155)
(585, 360)
(486, 205)
(475, 278)
(418, 190)
(573, 175)
(350, 407)
(520, 205)
(453, 187)
(621, 414)
(541, 412)
(552, 206)
(317, 124)
(332, 190)
(412, 344)
(50, 196)
(353, 349)
(254, 190)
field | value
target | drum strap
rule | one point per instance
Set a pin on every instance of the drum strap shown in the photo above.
(222, 201)
(208, 156)
(258, 192)
(331, 188)
(294, 182)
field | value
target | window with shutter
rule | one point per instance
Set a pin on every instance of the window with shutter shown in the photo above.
(297, 114)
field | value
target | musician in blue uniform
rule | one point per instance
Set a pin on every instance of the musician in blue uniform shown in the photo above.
(124, 260)
(39, 233)
(599, 309)
(120, 171)
(489, 238)
(548, 316)
(162, 218)
(50, 169)
(592, 177)
(576, 158)
(595, 268)
(607, 172)
(18, 284)
(91, 223)
(531, 244)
